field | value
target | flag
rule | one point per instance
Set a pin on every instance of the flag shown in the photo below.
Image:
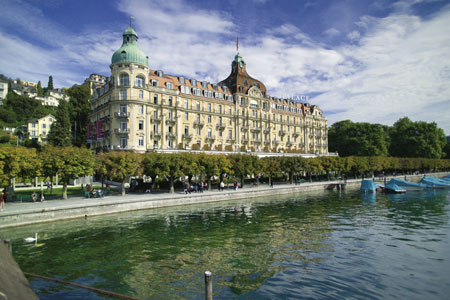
(237, 44)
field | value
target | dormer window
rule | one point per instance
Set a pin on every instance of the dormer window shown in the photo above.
(154, 82)
(204, 84)
(193, 82)
(159, 73)
(169, 85)
(181, 79)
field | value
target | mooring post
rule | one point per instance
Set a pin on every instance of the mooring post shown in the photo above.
(208, 286)
(8, 245)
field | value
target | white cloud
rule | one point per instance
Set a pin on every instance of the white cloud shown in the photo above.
(332, 32)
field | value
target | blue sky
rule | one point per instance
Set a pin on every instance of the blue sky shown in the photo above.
(367, 61)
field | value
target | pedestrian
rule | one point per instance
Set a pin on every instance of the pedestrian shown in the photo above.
(200, 185)
(2, 202)
(34, 196)
(185, 188)
(222, 185)
(206, 186)
(42, 196)
(236, 185)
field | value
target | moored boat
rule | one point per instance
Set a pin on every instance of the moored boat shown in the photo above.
(392, 188)
(435, 182)
(408, 185)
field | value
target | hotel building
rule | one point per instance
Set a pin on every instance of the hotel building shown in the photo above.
(142, 109)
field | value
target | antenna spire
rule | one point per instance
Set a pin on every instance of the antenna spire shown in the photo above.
(131, 18)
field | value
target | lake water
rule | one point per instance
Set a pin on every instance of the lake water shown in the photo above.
(324, 245)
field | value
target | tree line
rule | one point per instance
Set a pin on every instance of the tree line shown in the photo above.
(404, 139)
(72, 162)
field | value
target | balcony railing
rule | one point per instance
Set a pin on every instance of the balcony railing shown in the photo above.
(171, 121)
(199, 123)
(244, 127)
(171, 135)
(220, 126)
(156, 134)
(187, 136)
(282, 132)
(122, 130)
(156, 119)
(210, 137)
(256, 129)
(295, 134)
(122, 114)
(266, 130)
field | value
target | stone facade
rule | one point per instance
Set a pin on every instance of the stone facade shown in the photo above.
(38, 129)
(143, 110)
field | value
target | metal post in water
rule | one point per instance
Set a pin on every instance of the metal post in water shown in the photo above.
(8, 245)
(208, 286)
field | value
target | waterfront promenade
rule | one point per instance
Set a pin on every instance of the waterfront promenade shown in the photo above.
(17, 214)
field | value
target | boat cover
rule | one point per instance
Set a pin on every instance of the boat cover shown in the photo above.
(408, 184)
(433, 181)
(393, 187)
(368, 186)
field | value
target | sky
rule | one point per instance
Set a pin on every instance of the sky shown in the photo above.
(361, 60)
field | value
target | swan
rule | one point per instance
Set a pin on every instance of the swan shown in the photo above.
(30, 239)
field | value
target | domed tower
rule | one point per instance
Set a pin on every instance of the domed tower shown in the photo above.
(129, 67)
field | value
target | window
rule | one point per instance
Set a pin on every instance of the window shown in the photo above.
(123, 94)
(170, 115)
(159, 73)
(198, 105)
(193, 82)
(170, 129)
(140, 81)
(123, 108)
(141, 109)
(50, 120)
(209, 107)
(220, 109)
(155, 114)
(231, 122)
(209, 132)
(199, 131)
(123, 125)
(220, 121)
(242, 101)
(44, 132)
(209, 119)
(154, 82)
(186, 130)
(155, 99)
(141, 141)
(243, 112)
(170, 143)
(169, 85)
(44, 125)
(124, 79)
(123, 142)
(186, 116)
(230, 110)
(220, 132)
(141, 94)
(181, 79)
(141, 125)
(155, 128)
(230, 134)
(170, 100)
(186, 104)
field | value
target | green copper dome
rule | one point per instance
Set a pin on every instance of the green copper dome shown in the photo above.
(130, 52)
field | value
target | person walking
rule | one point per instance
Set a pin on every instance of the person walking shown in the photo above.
(34, 196)
(222, 185)
(42, 196)
(2, 202)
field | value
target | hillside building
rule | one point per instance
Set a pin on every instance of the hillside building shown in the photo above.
(38, 129)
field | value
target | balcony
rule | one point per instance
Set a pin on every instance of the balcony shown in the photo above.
(245, 140)
(244, 127)
(220, 126)
(295, 134)
(171, 135)
(230, 140)
(289, 144)
(122, 130)
(282, 132)
(276, 142)
(266, 130)
(121, 114)
(267, 142)
(258, 141)
(156, 134)
(155, 119)
(119, 147)
(105, 119)
(171, 121)
(211, 138)
(199, 123)
(187, 136)
(255, 129)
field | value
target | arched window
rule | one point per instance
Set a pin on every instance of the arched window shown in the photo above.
(140, 80)
(124, 79)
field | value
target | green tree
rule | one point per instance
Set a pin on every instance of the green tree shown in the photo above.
(292, 165)
(271, 167)
(79, 112)
(72, 163)
(40, 90)
(244, 165)
(120, 166)
(360, 139)
(50, 83)
(417, 139)
(60, 133)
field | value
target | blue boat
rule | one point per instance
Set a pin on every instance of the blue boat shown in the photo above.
(368, 186)
(392, 188)
(435, 182)
(408, 185)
